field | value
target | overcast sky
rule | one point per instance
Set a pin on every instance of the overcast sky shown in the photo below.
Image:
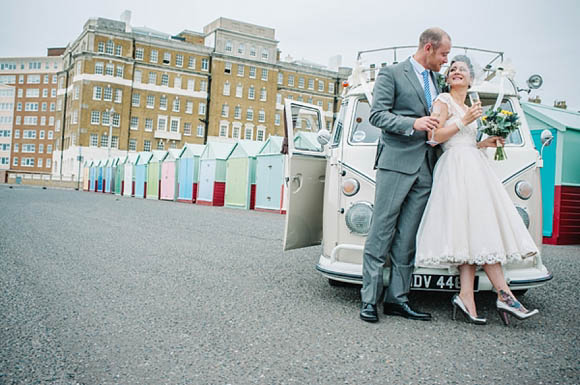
(538, 36)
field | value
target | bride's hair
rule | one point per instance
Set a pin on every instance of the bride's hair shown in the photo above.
(462, 59)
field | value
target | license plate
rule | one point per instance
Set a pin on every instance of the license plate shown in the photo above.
(436, 282)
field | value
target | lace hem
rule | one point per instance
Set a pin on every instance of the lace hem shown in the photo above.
(483, 259)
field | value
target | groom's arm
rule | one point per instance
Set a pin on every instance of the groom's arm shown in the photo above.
(383, 102)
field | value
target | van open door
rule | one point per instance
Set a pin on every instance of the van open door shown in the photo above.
(305, 176)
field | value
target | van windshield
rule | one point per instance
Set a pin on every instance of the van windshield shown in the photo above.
(363, 132)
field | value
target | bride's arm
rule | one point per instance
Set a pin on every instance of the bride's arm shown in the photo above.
(447, 129)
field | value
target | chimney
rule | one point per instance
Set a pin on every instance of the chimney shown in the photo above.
(535, 99)
(560, 104)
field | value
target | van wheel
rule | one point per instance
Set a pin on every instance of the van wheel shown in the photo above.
(519, 293)
(335, 283)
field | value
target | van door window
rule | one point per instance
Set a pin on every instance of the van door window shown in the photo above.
(515, 138)
(338, 124)
(306, 122)
(363, 132)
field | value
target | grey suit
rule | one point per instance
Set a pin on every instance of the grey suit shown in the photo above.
(404, 165)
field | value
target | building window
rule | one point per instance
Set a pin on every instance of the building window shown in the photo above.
(101, 47)
(204, 64)
(16, 147)
(153, 57)
(179, 60)
(301, 82)
(252, 72)
(239, 90)
(108, 94)
(95, 117)
(228, 68)
(176, 105)
(15, 161)
(190, 84)
(251, 93)
(187, 129)
(200, 130)
(167, 58)
(152, 78)
(241, 49)
(139, 53)
(177, 82)
(226, 88)
(260, 134)
(264, 74)
(265, 54)
(99, 68)
(163, 102)
(50, 135)
(147, 145)
(97, 93)
(263, 94)
(43, 105)
(109, 69)
(136, 100)
(109, 47)
(237, 112)
(253, 51)
(94, 140)
(106, 118)
(120, 71)
(162, 123)
(249, 114)
(104, 140)
(75, 117)
(331, 87)
(248, 132)
(228, 46)
(310, 99)
(241, 69)
(45, 93)
(116, 120)
(118, 95)
(201, 109)
(329, 106)
(278, 98)
(311, 84)
(174, 125)
(49, 149)
(261, 116)
(291, 80)
(225, 110)
(148, 124)
(39, 162)
(48, 162)
(320, 86)
(189, 107)
(160, 145)
(132, 144)
(223, 130)
(236, 131)
(150, 101)
(164, 80)
(115, 142)
(134, 122)
(191, 62)
(203, 85)
(280, 78)
(137, 77)
(277, 119)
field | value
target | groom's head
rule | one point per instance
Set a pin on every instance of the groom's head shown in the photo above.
(434, 46)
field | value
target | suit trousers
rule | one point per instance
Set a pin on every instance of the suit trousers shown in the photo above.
(400, 200)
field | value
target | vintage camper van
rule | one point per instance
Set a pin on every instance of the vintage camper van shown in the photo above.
(331, 188)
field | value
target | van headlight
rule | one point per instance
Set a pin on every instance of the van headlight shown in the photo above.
(524, 189)
(358, 218)
(524, 215)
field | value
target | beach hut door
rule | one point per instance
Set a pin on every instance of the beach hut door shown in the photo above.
(306, 174)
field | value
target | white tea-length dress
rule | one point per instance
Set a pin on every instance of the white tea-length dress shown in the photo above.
(469, 217)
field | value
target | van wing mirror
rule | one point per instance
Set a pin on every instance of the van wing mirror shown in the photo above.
(323, 137)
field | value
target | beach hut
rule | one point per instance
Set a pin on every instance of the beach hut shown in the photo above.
(128, 184)
(168, 185)
(154, 174)
(212, 173)
(108, 177)
(118, 171)
(100, 171)
(188, 172)
(270, 163)
(92, 175)
(241, 175)
(560, 174)
(141, 174)
(86, 175)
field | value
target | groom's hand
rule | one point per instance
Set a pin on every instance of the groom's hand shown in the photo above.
(426, 123)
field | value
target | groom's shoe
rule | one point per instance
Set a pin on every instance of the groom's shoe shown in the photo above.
(404, 310)
(368, 312)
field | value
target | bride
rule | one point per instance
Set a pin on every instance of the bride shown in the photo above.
(470, 221)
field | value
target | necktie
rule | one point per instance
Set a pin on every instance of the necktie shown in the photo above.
(426, 88)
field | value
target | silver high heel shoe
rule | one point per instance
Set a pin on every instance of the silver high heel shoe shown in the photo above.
(513, 307)
(458, 303)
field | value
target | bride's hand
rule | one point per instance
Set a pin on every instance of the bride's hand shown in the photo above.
(491, 142)
(472, 113)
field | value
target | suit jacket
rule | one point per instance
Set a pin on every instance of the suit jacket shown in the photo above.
(398, 100)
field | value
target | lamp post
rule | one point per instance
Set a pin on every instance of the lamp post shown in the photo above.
(111, 112)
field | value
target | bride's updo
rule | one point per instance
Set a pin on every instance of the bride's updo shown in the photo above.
(462, 59)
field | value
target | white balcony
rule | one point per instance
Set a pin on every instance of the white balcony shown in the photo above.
(167, 135)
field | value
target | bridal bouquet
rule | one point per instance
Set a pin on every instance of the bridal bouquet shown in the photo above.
(500, 123)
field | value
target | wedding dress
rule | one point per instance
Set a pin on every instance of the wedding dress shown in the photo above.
(469, 217)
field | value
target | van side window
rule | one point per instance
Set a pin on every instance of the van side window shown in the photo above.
(515, 137)
(363, 132)
(338, 124)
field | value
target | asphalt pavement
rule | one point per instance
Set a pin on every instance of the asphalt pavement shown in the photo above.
(101, 289)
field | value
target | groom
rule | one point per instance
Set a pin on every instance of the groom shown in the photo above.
(402, 97)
